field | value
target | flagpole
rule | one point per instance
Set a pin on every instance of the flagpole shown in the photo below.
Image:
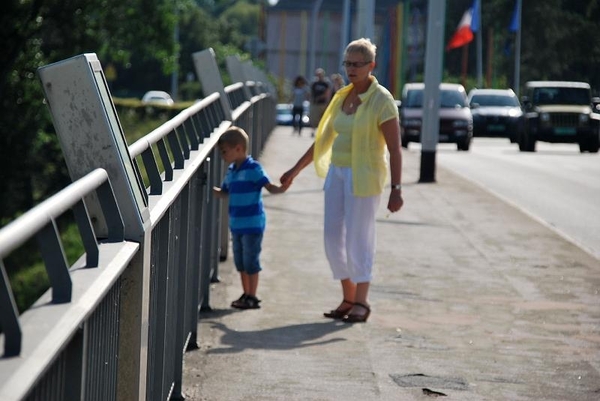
(479, 46)
(518, 50)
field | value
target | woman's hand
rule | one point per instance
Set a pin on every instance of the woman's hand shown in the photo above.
(287, 178)
(395, 202)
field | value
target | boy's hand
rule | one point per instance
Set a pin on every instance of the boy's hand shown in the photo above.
(217, 192)
(276, 189)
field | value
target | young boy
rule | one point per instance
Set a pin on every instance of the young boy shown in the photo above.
(243, 184)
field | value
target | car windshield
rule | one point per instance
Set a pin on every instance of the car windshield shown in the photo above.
(448, 99)
(495, 100)
(452, 99)
(414, 99)
(579, 96)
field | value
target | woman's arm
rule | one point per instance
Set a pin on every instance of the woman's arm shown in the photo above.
(391, 133)
(287, 178)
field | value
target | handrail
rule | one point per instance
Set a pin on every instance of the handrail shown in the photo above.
(87, 314)
(17, 232)
(40, 222)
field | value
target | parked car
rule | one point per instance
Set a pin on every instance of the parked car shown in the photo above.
(157, 97)
(496, 113)
(560, 112)
(456, 121)
(284, 114)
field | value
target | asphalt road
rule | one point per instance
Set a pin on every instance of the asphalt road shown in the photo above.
(557, 185)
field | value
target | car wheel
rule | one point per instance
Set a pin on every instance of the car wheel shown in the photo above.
(591, 145)
(463, 144)
(526, 143)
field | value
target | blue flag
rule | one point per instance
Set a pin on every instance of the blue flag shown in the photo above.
(514, 22)
(475, 13)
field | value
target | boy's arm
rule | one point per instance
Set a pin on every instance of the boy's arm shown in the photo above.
(219, 193)
(276, 189)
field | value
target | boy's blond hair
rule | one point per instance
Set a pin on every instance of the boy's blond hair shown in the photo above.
(234, 136)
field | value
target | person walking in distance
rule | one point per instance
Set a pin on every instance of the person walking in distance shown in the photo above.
(243, 185)
(349, 150)
(300, 94)
(320, 91)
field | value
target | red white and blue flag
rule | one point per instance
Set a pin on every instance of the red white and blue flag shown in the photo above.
(468, 24)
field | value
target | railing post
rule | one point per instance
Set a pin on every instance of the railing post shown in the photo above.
(91, 137)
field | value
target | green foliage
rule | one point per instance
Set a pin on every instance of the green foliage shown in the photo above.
(242, 17)
(27, 273)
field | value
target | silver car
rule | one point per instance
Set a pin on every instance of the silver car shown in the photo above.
(456, 121)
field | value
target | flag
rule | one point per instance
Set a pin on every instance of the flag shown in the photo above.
(475, 15)
(514, 22)
(464, 31)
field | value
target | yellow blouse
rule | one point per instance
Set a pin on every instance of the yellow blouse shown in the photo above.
(369, 160)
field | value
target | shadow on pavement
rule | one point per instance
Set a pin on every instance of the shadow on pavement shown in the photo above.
(277, 338)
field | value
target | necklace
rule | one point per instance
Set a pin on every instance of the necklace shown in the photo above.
(352, 102)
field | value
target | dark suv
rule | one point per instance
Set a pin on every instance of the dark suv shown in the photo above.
(560, 112)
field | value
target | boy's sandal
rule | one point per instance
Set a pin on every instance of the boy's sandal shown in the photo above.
(340, 312)
(240, 302)
(358, 317)
(251, 302)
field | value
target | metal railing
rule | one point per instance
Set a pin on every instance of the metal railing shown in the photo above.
(73, 343)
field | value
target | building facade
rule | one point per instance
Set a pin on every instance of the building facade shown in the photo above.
(301, 35)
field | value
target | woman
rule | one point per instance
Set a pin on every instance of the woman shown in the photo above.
(349, 151)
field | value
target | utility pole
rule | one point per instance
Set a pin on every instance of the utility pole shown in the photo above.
(434, 51)
(314, 17)
(366, 16)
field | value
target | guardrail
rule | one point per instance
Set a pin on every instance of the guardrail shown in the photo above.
(116, 324)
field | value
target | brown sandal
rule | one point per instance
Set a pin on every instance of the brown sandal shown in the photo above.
(356, 317)
(340, 312)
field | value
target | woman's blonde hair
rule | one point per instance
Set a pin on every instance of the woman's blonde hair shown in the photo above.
(364, 47)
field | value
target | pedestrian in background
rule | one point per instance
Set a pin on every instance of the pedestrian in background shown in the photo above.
(320, 91)
(337, 82)
(300, 94)
(350, 152)
(243, 186)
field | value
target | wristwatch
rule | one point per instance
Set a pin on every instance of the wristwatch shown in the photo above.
(397, 187)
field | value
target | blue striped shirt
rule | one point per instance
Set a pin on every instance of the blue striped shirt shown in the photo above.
(244, 186)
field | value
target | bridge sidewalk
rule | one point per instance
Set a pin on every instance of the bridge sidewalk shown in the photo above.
(471, 298)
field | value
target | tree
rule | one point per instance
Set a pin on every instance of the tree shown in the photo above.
(39, 32)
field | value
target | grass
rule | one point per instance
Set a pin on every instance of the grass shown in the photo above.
(30, 283)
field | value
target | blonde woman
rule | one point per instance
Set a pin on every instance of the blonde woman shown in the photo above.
(358, 126)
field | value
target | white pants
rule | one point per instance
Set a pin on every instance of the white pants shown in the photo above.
(349, 227)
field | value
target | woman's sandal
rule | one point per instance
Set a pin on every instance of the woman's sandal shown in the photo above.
(340, 312)
(356, 317)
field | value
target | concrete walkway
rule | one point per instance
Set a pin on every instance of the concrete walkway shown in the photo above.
(471, 299)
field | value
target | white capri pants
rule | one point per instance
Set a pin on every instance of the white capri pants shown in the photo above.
(349, 227)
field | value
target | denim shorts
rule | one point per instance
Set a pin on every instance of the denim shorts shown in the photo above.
(246, 252)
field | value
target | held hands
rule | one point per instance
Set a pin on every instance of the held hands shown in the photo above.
(287, 178)
(276, 189)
